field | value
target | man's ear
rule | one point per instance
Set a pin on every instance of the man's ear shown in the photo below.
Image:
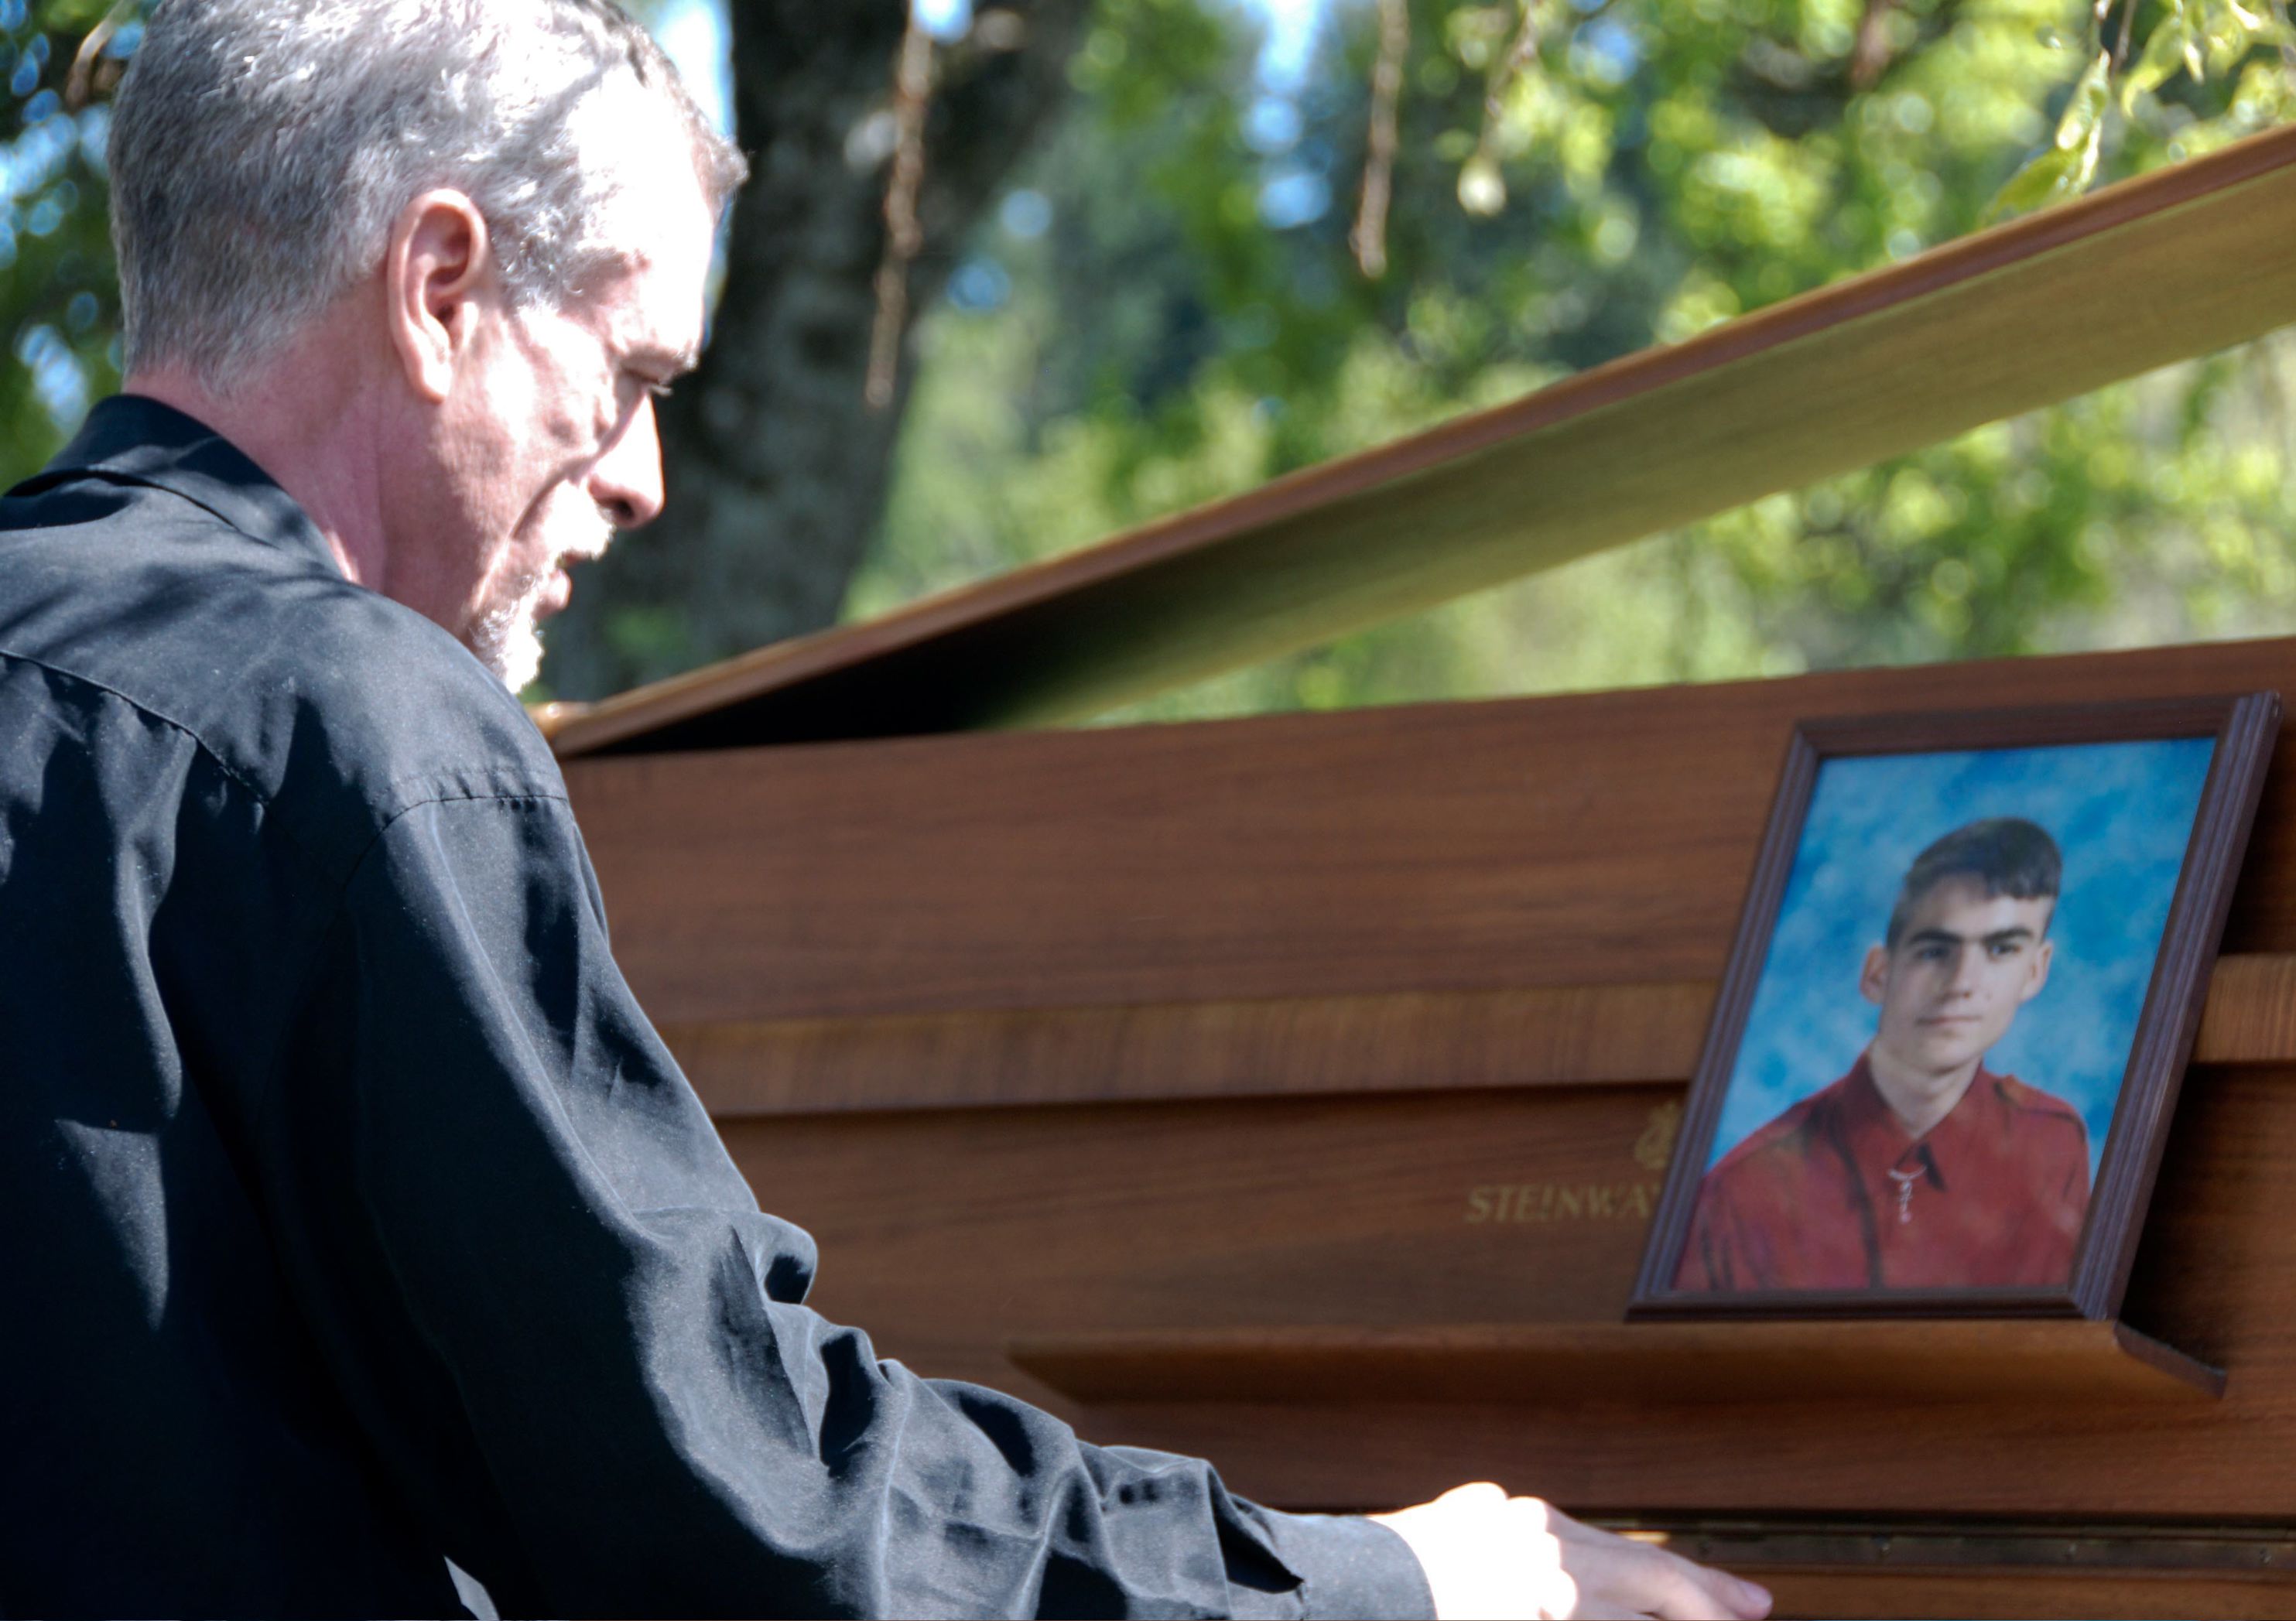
(439, 276)
(2040, 976)
(1873, 980)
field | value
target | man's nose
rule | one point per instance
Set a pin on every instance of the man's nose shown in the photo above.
(1967, 962)
(626, 479)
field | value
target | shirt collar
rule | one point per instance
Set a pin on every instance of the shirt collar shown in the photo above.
(1880, 1143)
(131, 440)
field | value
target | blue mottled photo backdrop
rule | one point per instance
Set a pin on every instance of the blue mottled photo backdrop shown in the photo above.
(2121, 814)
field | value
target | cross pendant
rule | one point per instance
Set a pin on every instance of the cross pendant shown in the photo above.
(1905, 1181)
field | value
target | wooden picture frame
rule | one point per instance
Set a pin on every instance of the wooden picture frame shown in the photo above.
(1742, 1247)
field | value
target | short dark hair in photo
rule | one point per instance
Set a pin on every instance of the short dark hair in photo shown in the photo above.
(2008, 854)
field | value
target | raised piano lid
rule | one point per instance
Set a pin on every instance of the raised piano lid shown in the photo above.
(2177, 263)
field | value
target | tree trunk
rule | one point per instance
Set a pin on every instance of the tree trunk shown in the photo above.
(777, 469)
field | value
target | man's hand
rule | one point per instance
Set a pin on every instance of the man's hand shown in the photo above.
(1490, 1555)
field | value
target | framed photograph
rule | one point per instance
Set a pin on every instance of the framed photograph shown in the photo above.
(1965, 983)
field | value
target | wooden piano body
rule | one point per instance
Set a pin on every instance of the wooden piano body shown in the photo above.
(1296, 1090)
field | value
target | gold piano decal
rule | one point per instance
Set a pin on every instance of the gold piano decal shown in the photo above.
(1555, 1201)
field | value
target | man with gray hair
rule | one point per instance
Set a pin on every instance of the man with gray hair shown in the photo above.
(353, 1217)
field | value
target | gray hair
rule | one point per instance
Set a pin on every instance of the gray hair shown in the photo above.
(261, 151)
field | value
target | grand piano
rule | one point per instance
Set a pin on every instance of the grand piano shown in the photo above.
(1297, 1090)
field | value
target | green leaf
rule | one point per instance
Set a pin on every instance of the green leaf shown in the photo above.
(2064, 166)
(2227, 30)
(2168, 48)
(2045, 178)
(2085, 155)
(2084, 115)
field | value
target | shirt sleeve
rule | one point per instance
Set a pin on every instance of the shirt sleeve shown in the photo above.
(580, 1349)
(1709, 1254)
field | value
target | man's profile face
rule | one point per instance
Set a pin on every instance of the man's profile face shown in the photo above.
(1966, 961)
(551, 445)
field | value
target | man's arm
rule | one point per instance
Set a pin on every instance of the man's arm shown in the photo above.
(579, 1351)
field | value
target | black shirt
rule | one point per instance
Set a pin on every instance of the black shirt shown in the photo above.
(352, 1217)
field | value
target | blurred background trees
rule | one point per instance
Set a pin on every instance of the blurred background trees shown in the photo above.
(59, 299)
(1136, 291)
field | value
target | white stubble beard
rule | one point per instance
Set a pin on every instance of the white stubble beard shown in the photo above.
(505, 637)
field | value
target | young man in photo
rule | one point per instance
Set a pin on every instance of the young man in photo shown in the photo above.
(1921, 1168)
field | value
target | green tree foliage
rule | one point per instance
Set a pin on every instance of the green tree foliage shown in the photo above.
(59, 298)
(1167, 310)
(1187, 323)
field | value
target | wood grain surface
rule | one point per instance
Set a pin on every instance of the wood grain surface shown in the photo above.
(1884, 1568)
(2037, 1361)
(1594, 839)
(1979, 329)
(952, 1233)
(2117, 1595)
(1375, 1025)
(1411, 1041)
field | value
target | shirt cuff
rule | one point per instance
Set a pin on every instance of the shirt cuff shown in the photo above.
(1349, 1569)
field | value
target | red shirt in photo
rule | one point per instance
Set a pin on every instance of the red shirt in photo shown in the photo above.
(1835, 1194)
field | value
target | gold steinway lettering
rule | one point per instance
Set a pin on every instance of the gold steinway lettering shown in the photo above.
(1518, 1202)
